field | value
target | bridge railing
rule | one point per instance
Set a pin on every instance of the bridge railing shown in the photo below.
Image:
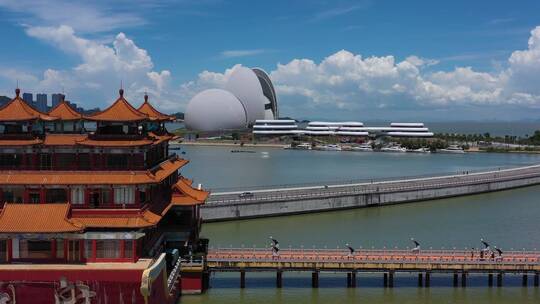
(325, 191)
(373, 255)
(365, 180)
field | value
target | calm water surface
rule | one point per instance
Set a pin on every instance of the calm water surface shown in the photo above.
(508, 219)
(217, 167)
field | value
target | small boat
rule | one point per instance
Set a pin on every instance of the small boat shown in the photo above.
(242, 151)
(393, 148)
(419, 150)
(302, 146)
(452, 149)
(362, 148)
(330, 147)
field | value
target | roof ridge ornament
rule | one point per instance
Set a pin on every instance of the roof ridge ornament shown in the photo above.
(17, 92)
(145, 96)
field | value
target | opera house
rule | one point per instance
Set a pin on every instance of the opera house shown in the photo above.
(248, 96)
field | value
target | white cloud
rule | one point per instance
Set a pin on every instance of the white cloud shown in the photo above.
(350, 81)
(242, 53)
(84, 16)
(102, 68)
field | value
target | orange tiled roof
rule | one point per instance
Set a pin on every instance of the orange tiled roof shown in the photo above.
(92, 178)
(129, 221)
(82, 139)
(185, 195)
(64, 111)
(115, 143)
(184, 186)
(152, 113)
(18, 110)
(20, 142)
(120, 110)
(36, 218)
(63, 139)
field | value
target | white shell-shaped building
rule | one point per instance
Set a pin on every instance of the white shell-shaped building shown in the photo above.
(213, 110)
(251, 96)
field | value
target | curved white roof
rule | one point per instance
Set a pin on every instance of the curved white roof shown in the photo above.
(407, 124)
(343, 123)
(245, 85)
(213, 110)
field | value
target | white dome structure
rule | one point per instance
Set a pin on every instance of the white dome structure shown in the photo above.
(213, 110)
(248, 89)
(245, 85)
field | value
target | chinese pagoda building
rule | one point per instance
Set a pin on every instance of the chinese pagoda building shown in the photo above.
(91, 204)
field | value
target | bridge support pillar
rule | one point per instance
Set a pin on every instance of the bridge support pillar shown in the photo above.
(536, 279)
(455, 279)
(499, 279)
(353, 279)
(463, 279)
(242, 279)
(490, 279)
(391, 279)
(524, 280)
(349, 279)
(420, 280)
(279, 279)
(428, 277)
(385, 279)
(315, 279)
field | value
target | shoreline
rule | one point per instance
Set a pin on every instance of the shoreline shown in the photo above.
(281, 146)
(226, 144)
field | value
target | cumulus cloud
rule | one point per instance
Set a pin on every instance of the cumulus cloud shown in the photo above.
(103, 67)
(343, 80)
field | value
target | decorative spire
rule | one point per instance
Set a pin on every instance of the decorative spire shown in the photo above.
(17, 90)
(145, 97)
(121, 91)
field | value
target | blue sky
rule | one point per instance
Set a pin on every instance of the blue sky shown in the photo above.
(328, 59)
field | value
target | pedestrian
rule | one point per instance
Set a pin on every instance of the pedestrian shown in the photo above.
(351, 251)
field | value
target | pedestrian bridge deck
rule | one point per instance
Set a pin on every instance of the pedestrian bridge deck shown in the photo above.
(369, 260)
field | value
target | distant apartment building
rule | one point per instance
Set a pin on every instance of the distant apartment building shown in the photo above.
(28, 97)
(41, 102)
(56, 99)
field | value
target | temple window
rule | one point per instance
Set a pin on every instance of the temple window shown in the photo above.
(65, 161)
(128, 249)
(117, 161)
(13, 194)
(56, 195)
(45, 161)
(107, 249)
(34, 196)
(35, 249)
(3, 251)
(84, 161)
(77, 195)
(60, 249)
(124, 195)
(100, 197)
(10, 161)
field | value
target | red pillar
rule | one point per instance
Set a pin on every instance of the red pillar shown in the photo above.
(9, 249)
(42, 195)
(137, 197)
(26, 195)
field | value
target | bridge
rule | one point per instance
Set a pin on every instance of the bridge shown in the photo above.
(316, 198)
(459, 263)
